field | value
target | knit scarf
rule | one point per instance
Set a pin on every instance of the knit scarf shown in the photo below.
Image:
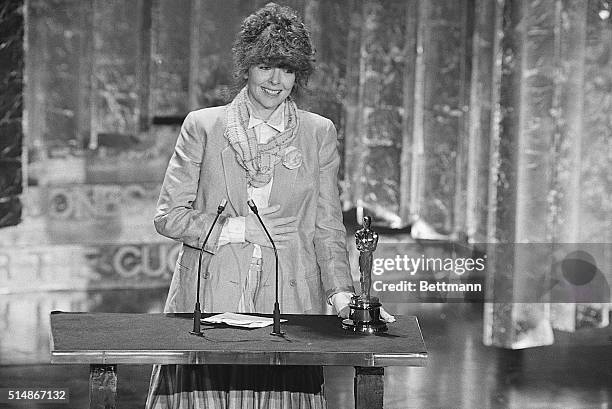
(258, 159)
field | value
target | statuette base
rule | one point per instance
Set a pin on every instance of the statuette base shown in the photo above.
(364, 316)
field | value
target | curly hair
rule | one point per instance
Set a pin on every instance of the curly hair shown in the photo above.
(276, 36)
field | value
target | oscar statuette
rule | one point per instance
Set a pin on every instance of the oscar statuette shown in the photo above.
(364, 316)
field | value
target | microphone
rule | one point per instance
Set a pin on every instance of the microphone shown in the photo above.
(276, 329)
(197, 312)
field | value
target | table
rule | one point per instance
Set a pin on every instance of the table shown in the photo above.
(104, 340)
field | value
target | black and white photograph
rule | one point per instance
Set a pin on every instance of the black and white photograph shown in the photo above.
(305, 204)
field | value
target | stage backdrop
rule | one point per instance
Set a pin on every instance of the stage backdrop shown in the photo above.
(489, 120)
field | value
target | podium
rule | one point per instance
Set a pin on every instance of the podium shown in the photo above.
(105, 340)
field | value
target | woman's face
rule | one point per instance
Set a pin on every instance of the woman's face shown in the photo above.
(268, 87)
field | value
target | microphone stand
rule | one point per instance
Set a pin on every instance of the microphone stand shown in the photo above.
(197, 312)
(276, 328)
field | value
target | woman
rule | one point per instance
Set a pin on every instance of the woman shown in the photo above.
(259, 147)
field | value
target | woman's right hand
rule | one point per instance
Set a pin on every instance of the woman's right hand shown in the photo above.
(281, 229)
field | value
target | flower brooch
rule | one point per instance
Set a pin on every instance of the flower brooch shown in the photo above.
(292, 158)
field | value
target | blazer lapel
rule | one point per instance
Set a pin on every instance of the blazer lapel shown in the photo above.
(284, 179)
(235, 181)
(283, 185)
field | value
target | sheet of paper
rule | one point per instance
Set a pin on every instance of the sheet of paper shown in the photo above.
(239, 320)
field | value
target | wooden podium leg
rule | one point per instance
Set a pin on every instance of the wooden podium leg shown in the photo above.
(369, 387)
(103, 387)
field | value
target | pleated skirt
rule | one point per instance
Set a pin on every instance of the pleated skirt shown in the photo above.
(236, 387)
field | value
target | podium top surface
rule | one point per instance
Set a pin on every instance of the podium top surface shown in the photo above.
(113, 338)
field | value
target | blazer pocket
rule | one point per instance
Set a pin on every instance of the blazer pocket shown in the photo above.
(223, 267)
(183, 268)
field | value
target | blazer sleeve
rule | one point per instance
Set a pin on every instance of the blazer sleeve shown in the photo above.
(330, 234)
(175, 216)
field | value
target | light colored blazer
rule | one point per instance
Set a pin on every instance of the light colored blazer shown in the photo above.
(203, 170)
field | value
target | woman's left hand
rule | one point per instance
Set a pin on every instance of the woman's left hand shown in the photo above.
(386, 317)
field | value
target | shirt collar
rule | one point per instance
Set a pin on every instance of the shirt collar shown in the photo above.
(276, 119)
